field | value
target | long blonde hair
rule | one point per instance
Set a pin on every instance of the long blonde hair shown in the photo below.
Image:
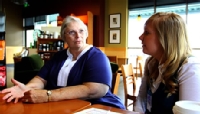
(172, 34)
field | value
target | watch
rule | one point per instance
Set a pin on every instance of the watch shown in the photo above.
(49, 95)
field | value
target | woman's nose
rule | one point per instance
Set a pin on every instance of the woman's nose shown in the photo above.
(78, 34)
(141, 37)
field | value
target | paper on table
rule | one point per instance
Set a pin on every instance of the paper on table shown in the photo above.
(96, 111)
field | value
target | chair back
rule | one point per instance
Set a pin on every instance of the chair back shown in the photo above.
(141, 69)
(129, 84)
(115, 78)
(139, 66)
(27, 68)
(36, 61)
(115, 83)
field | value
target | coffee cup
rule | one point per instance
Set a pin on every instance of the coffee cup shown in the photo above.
(55, 35)
(186, 107)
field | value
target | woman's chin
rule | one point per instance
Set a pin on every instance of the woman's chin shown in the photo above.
(145, 51)
(78, 45)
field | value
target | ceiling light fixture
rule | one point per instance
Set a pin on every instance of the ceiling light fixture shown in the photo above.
(139, 17)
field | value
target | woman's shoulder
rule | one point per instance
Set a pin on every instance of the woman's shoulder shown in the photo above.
(193, 59)
(190, 63)
(96, 51)
(190, 67)
(93, 54)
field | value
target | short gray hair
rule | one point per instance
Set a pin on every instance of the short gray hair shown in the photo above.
(68, 20)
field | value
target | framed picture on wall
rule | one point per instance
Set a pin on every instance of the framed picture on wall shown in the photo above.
(114, 37)
(115, 20)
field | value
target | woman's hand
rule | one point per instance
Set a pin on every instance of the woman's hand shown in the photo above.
(35, 96)
(15, 92)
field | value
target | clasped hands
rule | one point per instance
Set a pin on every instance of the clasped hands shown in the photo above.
(21, 92)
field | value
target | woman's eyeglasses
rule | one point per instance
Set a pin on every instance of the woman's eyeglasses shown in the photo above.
(74, 33)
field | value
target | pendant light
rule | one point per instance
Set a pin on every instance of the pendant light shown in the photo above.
(139, 17)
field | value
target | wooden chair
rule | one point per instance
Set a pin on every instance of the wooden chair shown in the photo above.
(115, 83)
(27, 68)
(139, 66)
(115, 78)
(129, 84)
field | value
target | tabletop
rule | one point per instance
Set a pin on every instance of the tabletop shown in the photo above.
(58, 107)
(109, 108)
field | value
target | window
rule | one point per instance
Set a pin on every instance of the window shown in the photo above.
(33, 26)
(136, 26)
(193, 23)
(135, 29)
(29, 38)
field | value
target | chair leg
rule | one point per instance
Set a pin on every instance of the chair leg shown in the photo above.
(125, 92)
(136, 73)
(116, 86)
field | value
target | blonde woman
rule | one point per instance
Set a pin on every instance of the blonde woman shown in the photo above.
(171, 73)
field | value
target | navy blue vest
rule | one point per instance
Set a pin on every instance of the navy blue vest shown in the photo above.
(161, 104)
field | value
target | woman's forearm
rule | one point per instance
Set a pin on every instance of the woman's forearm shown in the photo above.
(36, 83)
(85, 91)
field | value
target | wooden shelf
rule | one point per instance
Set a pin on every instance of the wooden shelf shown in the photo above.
(51, 51)
(50, 39)
(52, 46)
(45, 59)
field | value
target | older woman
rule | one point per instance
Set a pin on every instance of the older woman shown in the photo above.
(80, 71)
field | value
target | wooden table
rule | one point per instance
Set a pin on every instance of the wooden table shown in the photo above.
(60, 107)
(112, 109)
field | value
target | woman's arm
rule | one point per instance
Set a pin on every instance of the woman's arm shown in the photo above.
(140, 103)
(36, 83)
(88, 90)
(189, 80)
(19, 89)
